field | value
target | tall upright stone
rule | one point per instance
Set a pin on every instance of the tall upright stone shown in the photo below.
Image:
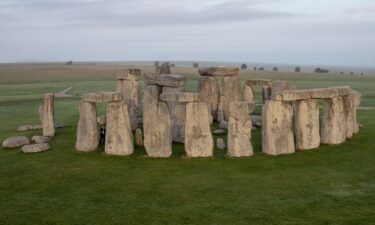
(163, 69)
(128, 86)
(119, 139)
(40, 114)
(157, 124)
(198, 137)
(333, 130)
(239, 130)
(349, 111)
(357, 102)
(208, 92)
(279, 86)
(307, 124)
(266, 93)
(49, 115)
(277, 128)
(87, 129)
(248, 94)
(231, 92)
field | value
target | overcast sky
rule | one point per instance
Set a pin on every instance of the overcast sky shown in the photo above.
(320, 32)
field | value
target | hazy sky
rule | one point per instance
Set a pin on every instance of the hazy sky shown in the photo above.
(330, 32)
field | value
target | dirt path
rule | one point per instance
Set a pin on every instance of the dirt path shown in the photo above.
(63, 93)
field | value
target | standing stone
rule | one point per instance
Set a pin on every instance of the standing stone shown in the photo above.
(239, 130)
(118, 138)
(157, 125)
(87, 129)
(163, 69)
(220, 144)
(248, 94)
(138, 137)
(307, 124)
(198, 137)
(231, 92)
(349, 108)
(208, 92)
(40, 114)
(49, 115)
(220, 112)
(333, 129)
(357, 102)
(277, 131)
(279, 86)
(266, 93)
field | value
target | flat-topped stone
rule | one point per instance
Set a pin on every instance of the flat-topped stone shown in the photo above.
(179, 97)
(15, 142)
(258, 82)
(129, 74)
(38, 139)
(169, 80)
(29, 127)
(316, 93)
(35, 148)
(219, 71)
(102, 97)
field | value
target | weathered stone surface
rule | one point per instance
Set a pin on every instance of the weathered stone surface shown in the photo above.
(198, 137)
(349, 108)
(163, 69)
(138, 137)
(279, 86)
(218, 71)
(266, 93)
(183, 97)
(223, 124)
(87, 129)
(307, 124)
(35, 148)
(101, 120)
(102, 97)
(49, 115)
(40, 114)
(130, 92)
(170, 80)
(239, 130)
(258, 82)
(157, 129)
(220, 144)
(333, 130)
(15, 142)
(256, 120)
(220, 112)
(248, 94)
(277, 131)
(177, 111)
(357, 102)
(29, 127)
(129, 74)
(316, 93)
(41, 139)
(208, 91)
(231, 92)
(118, 138)
(219, 131)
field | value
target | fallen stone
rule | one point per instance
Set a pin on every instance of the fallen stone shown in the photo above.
(49, 115)
(256, 120)
(307, 124)
(239, 130)
(61, 126)
(316, 93)
(15, 142)
(118, 138)
(40, 114)
(220, 144)
(102, 97)
(333, 130)
(218, 71)
(277, 128)
(219, 131)
(129, 74)
(38, 139)
(87, 129)
(163, 69)
(208, 92)
(258, 82)
(35, 148)
(170, 80)
(183, 97)
(198, 137)
(231, 92)
(29, 127)
(138, 137)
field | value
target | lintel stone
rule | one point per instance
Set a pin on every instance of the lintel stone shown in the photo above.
(102, 97)
(218, 71)
(169, 80)
(179, 97)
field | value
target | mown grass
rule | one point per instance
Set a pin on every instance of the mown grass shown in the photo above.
(329, 185)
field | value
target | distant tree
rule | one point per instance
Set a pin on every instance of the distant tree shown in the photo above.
(362, 74)
(275, 69)
(69, 63)
(195, 65)
(319, 70)
(172, 65)
(243, 66)
(341, 72)
(297, 69)
(156, 63)
(261, 69)
(351, 73)
(255, 68)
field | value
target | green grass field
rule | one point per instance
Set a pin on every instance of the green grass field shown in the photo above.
(329, 185)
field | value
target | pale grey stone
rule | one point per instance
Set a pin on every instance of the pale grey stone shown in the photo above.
(231, 92)
(316, 93)
(218, 71)
(163, 69)
(129, 74)
(49, 115)
(259, 82)
(333, 130)
(87, 129)
(138, 137)
(15, 142)
(35, 148)
(220, 144)
(208, 91)
(102, 97)
(256, 120)
(29, 127)
(219, 131)
(223, 124)
(38, 139)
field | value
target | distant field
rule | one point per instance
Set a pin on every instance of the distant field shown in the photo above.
(330, 185)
